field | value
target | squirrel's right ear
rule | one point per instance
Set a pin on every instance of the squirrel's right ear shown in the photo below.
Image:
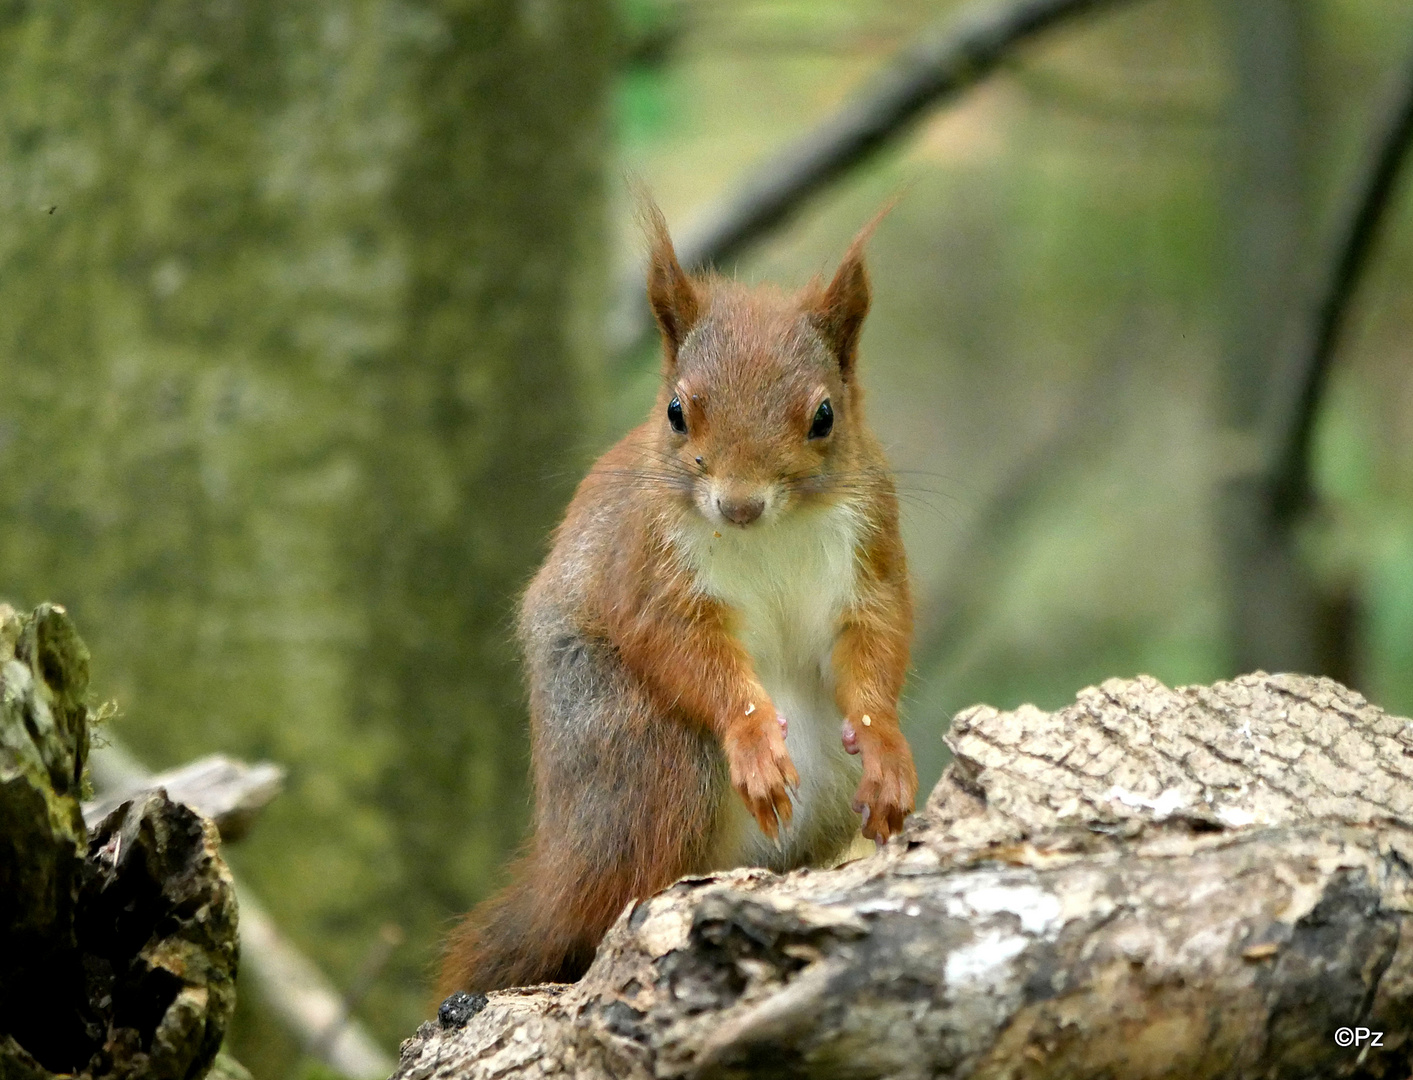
(675, 301)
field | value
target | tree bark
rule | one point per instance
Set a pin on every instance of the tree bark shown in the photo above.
(1203, 882)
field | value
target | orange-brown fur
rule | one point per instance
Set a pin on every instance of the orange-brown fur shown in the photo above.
(647, 714)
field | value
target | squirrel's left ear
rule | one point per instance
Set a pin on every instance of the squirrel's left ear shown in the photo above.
(674, 298)
(838, 312)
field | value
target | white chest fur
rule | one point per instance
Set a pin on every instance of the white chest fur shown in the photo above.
(787, 583)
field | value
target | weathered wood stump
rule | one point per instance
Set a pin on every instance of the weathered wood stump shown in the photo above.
(1203, 882)
(117, 948)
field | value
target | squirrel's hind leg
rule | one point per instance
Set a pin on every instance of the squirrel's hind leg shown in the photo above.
(626, 801)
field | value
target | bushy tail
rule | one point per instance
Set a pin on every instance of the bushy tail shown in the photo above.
(537, 929)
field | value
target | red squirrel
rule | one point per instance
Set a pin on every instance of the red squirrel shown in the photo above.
(722, 622)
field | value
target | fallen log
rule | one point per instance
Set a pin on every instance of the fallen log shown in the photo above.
(117, 948)
(1203, 882)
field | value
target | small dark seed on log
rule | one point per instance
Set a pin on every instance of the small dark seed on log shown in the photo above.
(459, 1008)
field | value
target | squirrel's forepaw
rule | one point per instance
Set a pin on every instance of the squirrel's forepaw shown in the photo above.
(885, 796)
(763, 774)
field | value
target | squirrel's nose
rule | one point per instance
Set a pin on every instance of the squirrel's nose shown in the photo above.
(741, 511)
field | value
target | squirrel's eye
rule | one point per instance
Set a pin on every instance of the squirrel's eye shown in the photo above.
(675, 417)
(823, 422)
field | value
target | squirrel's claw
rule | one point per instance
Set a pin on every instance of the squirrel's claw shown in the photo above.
(884, 802)
(763, 774)
(771, 807)
(889, 785)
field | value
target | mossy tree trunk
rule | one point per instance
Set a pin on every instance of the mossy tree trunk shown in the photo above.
(484, 411)
(298, 320)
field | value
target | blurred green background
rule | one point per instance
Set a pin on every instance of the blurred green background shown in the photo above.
(302, 352)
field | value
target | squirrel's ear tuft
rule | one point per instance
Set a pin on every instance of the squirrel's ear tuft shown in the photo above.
(838, 312)
(675, 300)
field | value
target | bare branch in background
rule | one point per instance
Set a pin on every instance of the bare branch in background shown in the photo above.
(949, 59)
(231, 793)
(297, 992)
(1294, 415)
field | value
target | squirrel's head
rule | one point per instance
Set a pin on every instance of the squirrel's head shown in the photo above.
(760, 411)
